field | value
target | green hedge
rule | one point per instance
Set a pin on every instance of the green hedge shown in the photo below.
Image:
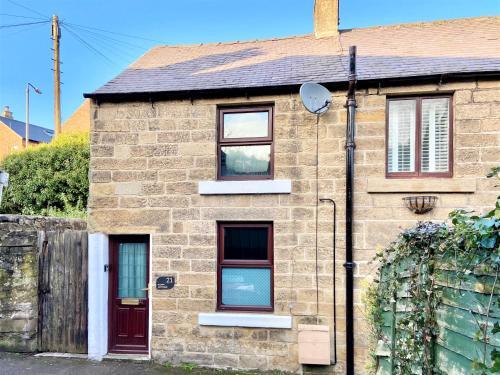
(49, 179)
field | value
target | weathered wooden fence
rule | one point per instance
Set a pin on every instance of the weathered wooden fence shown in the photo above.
(466, 307)
(43, 284)
(62, 291)
(468, 304)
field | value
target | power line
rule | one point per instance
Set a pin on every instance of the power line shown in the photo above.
(22, 30)
(28, 8)
(114, 32)
(87, 44)
(112, 46)
(22, 24)
(103, 36)
(19, 16)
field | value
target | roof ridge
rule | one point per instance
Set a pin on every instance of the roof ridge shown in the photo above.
(420, 23)
(236, 42)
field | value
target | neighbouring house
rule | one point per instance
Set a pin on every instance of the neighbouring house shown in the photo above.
(208, 244)
(79, 120)
(13, 134)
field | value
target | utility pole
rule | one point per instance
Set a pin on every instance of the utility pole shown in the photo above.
(27, 131)
(56, 36)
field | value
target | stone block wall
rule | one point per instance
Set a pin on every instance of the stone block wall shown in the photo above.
(147, 160)
(19, 248)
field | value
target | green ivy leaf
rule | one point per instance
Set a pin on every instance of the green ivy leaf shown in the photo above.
(495, 358)
(496, 328)
(488, 242)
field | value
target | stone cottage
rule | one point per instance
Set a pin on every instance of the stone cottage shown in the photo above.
(209, 242)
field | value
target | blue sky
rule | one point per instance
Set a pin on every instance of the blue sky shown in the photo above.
(25, 54)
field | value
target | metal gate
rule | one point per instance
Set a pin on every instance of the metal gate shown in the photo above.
(62, 291)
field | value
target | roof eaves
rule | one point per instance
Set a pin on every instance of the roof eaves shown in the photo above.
(333, 84)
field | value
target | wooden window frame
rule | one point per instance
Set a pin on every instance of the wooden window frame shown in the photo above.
(418, 138)
(251, 141)
(264, 264)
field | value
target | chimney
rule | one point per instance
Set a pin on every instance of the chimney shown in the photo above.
(326, 18)
(7, 113)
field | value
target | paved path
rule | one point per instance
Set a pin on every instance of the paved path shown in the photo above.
(27, 364)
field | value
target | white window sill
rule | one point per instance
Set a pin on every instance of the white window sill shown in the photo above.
(245, 187)
(244, 320)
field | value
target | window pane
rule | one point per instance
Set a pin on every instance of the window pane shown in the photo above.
(246, 125)
(246, 286)
(245, 243)
(132, 270)
(435, 135)
(401, 142)
(245, 160)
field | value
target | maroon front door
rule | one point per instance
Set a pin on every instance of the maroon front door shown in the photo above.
(128, 294)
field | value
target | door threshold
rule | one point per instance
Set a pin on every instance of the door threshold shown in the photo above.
(127, 357)
(62, 355)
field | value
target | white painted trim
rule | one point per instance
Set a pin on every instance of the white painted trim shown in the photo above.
(98, 254)
(245, 187)
(128, 357)
(150, 291)
(244, 320)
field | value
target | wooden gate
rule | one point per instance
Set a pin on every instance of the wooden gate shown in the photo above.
(62, 291)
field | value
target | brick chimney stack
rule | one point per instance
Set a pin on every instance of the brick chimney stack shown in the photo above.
(326, 18)
(7, 113)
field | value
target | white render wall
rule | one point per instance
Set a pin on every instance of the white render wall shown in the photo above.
(98, 296)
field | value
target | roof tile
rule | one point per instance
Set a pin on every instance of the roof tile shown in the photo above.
(420, 49)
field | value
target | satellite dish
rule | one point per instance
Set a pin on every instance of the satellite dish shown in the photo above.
(315, 98)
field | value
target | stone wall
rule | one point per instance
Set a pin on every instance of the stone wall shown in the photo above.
(147, 161)
(19, 247)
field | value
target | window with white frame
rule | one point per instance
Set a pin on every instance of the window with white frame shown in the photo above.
(419, 137)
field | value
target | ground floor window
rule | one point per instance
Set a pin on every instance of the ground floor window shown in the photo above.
(245, 266)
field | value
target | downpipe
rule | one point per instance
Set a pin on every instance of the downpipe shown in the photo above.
(349, 265)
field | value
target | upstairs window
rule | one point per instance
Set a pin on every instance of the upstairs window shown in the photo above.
(419, 137)
(245, 143)
(245, 267)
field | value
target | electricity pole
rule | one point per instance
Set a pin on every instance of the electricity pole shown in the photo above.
(56, 36)
(27, 131)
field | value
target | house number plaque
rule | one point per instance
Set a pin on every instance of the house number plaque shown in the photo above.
(165, 282)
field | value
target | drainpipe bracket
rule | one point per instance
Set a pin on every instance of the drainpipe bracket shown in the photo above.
(349, 265)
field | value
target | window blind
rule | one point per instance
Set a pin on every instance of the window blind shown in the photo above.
(401, 138)
(435, 135)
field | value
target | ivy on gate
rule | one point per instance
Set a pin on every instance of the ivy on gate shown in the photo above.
(409, 288)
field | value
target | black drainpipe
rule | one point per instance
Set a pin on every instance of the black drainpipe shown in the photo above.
(349, 265)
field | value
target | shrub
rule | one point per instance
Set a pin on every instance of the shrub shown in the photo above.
(49, 179)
